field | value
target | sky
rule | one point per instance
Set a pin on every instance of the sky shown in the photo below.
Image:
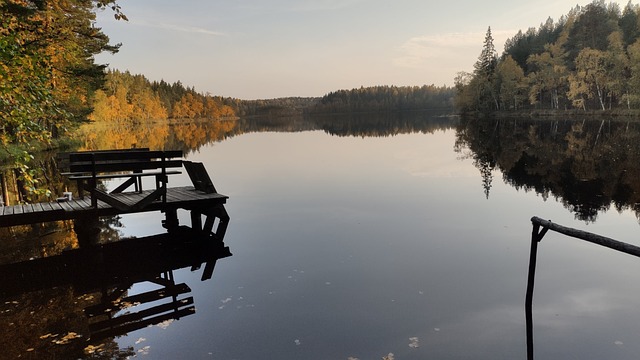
(264, 49)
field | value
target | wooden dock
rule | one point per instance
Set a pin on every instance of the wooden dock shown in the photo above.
(187, 198)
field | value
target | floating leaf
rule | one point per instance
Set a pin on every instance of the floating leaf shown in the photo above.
(414, 342)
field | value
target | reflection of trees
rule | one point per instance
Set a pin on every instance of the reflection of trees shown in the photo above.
(49, 323)
(187, 135)
(192, 135)
(382, 124)
(588, 165)
(25, 242)
(46, 324)
(124, 135)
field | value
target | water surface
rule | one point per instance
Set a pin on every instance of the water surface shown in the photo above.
(361, 244)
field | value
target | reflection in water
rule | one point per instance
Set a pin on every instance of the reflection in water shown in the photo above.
(73, 304)
(590, 165)
(383, 124)
(540, 229)
(191, 135)
(346, 239)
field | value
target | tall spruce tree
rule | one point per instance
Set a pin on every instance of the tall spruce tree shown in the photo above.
(484, 74)
(488, 58)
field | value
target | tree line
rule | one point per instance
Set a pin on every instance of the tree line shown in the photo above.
(133, 97)
(588, 60)
(385, 98)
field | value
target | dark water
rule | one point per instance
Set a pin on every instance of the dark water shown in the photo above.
(360, 240)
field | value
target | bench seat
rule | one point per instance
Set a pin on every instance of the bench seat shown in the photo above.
(85, 176)
(88, 167)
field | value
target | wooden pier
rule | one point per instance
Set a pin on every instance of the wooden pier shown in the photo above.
(187, 198)
(88, 168)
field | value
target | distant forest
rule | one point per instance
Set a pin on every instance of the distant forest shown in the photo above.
(386, 98)
(587, 60)
(133, 97)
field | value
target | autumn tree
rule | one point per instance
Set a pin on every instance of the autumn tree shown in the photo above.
(586, 60)
(618, 70)
(190, 106)
(548, 71)
(127, 97)
(512, 84)
(47, 72)
(633, 96)
(590, 78)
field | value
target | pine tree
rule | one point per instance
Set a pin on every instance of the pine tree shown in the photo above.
(484, 75)
(486, 64)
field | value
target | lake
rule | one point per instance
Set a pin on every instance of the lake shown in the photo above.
(403, 238)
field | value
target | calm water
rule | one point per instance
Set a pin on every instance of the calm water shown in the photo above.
(363, 246)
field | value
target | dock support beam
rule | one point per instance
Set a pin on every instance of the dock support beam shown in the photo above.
(171, 219)
(215, 222)
(87, 229)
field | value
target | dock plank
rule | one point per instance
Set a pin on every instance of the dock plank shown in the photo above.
(8, 211)
(76, 205)
(64, 205)
(46, 206)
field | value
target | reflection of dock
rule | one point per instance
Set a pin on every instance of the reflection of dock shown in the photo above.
(113, 268)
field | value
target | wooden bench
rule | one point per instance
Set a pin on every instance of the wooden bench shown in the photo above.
(88, 167)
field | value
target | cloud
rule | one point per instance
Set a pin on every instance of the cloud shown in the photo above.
(322, 5)
(414, 52)
(179, 28)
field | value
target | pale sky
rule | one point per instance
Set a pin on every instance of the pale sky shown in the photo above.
(262, 49)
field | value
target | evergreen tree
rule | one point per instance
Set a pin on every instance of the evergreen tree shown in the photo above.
(486, 64)
(484, 74)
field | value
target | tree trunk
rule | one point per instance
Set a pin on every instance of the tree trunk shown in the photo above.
(600, 96)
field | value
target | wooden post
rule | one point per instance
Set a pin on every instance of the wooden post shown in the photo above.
(3, 188)
(171, 221)
(590, 237)
(94, 182)
(196, 221)
(536, 237)
(87, 229)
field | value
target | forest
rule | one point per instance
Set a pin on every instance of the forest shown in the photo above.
(588, 60)
(386, 98)
(133, 97)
